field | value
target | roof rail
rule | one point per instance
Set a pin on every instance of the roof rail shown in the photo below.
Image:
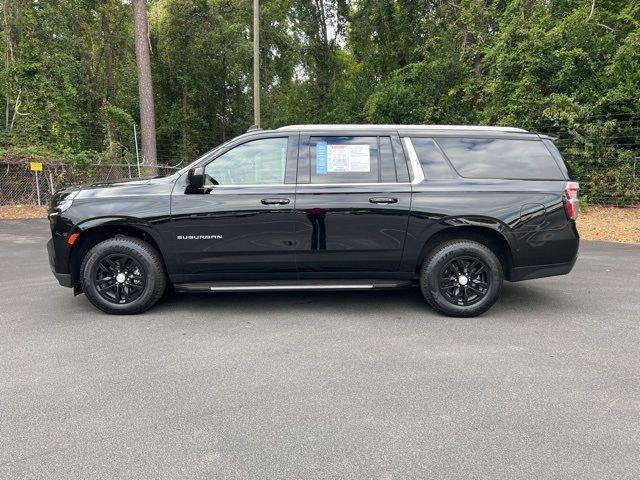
(401, 127)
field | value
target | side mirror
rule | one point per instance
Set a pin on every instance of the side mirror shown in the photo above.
(195, 178)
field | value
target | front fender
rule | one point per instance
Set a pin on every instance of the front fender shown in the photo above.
(95, 230)
(124, 222)
(113, 221)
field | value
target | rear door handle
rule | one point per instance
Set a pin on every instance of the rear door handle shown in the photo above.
(383, 200)
(275, 201)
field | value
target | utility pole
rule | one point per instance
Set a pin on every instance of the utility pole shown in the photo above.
(256, 63)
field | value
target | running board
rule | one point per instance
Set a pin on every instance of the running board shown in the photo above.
(291, 285)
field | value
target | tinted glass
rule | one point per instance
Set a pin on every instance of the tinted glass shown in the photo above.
(344, 160)
(387, 163)
(434, 165)
(253, 163)
(564, 166)
(402, 170)
(500, 158)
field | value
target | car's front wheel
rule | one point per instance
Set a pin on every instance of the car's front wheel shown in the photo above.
(123, 275)
(461, 278)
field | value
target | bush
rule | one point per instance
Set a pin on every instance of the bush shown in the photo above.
(615, 185)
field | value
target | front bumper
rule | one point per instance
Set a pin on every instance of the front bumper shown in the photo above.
(58, 268)
(64, 279)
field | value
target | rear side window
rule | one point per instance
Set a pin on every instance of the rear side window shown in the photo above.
(387, 163)
(501, 158)
(345, 160)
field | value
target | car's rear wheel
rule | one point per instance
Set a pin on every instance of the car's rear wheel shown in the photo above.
(461, 278)
(123, 275)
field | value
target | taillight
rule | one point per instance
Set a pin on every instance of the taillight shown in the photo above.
(570, 196)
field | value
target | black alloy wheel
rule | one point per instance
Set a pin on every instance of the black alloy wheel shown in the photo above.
(464, 281)
(123, 275)
(461, 278)
(119, 278)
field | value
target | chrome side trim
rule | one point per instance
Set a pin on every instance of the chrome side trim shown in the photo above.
(350, 184)
(418, 174)
(240, 288)
(252, 185)
(215, 187)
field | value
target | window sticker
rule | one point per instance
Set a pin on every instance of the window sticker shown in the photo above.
(321, 158)
(359, 159)
(338, 158)
(346, 158)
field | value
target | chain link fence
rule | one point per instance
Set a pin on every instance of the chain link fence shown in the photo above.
(608, 170)
(603, 152)
(19, 185)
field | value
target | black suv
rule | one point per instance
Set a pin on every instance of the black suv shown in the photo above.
(327, 207)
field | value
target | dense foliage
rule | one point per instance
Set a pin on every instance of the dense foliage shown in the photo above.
(567, 67)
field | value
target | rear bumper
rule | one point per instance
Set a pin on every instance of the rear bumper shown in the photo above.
(60, 269)
(540, 271)
(545, 253)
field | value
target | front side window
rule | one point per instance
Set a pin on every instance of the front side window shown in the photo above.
(500, 158)
(259, 162)
(344, 160)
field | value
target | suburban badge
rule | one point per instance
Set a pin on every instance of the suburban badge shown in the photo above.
(199, 237)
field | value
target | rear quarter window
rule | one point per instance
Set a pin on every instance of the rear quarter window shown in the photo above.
(433, 163)
(501, 158)
(564, 166)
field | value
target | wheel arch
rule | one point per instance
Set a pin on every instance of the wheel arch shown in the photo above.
(95, 231)
(492, 238)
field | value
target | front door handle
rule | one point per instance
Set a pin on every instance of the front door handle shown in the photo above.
(275, 201)
(383, 200)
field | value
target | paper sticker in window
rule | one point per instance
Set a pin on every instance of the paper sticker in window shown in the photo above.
(347, 158)
(321, 158)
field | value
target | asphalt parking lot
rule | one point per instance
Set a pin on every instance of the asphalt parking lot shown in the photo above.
(321, 385)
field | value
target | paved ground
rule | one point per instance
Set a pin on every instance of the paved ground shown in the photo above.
(321, 385)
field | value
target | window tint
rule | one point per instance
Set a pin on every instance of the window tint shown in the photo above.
(564, 166)
(402, 169)
(344, 160)
(500, 158)
(253, 163)
(434, 165)
(387, 163)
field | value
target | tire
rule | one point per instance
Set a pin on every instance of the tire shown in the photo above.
(123, 276)
(461, 278)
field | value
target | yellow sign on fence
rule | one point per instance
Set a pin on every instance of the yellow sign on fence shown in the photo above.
(36, 166)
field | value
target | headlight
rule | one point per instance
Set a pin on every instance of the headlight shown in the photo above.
(61, 202)
(63, 205)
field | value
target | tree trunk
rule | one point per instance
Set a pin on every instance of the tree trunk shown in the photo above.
(223, 117)
(108, 53)
(185, 135)
(145, 87)
(256, 63)
(477, 64)
(5, 14)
